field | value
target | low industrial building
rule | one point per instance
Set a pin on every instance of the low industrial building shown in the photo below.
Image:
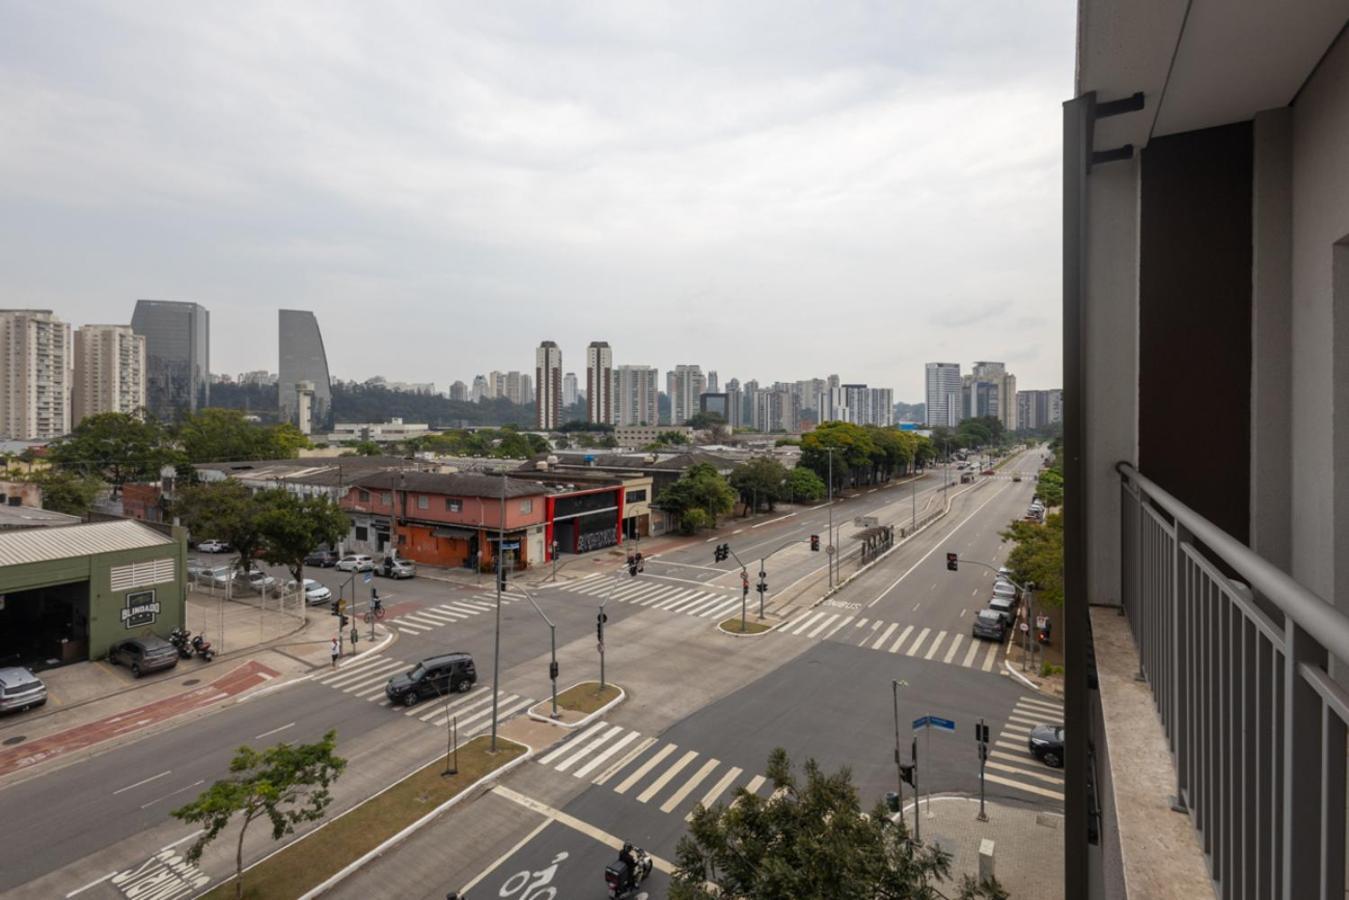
(67, 594)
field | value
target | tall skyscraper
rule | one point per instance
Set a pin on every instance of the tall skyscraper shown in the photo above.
(35, 351)
(496, 385)
(548, 373)
(636, 395)
(943, 394)
(1038, 409)
(303, 361)
(711, 387)
(990, 390)
(459, 391)
(599, 383)
(685, 384)
(109, 372)
(776, 410)
(569, 390)
(177, 355)
(479, 392)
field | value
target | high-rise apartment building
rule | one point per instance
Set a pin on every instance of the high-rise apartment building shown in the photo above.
(735, 404)
(636, 395)
(990, 390)
(109, 372)
(478, 393)
(35, 356)
(944, 395)
(1038, 409)
(303, 361)
(684, 385)
(459, 391)
(569, 389)
(548, 373)
(856, 403)
(600, 383)
(711, 386)
(776, 410)
(177, 355)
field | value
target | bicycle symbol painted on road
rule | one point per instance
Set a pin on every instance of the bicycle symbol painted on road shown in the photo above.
(536, 889)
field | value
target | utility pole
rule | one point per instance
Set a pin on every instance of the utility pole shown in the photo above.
(981, 737)
(899, 768)
(552, 639)
(496, 640)
(831, 554)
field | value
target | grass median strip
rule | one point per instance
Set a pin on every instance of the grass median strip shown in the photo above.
(312, 859)
(586, 697)
(733, 626)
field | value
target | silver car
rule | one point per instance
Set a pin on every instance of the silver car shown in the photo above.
(20, 689)
(314, 592)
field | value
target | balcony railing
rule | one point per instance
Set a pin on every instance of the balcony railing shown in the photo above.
(1237, 654)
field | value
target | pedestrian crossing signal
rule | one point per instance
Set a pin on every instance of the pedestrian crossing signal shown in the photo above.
(815, 543)
(953, 562)
(892, 801)
(906, 774)
(720, 552)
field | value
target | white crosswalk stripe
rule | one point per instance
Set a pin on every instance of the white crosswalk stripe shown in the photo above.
(969, 654)
(990, 656)
(406, 627)
(721, 609)
(918, 642)
(606, 753)
(899, 641)
(936, 645)
(823, 625)
(718, 789)
(665, 777)
(644, 768)
(951, 651)
(677, 597)
(831, 632)
(568, 746)
(1010, 760)
(599, 740)
(623, 761)
(688, 786)
(803, 623)
(882, 639)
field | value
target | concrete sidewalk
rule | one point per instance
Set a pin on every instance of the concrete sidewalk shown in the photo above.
(1027, 842)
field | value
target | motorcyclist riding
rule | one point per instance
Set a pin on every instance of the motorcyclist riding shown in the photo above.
(629, 859)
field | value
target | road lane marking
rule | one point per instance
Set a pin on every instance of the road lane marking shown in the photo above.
(771, 521)
(955, 645)
(590, 747)
(1030, 788)
(1021, 770)
(969, 657)
(717, 789)
(823, 625)
(574, 742)
(936, 645)
(918, 642)
(141, 782)
(1047, 707)
(687, 788)
(836, 629)
(963, 611)
(936, 546)
(990, 657)
(806, 622)
(881, 640)
(557, 815)
(861, 622)
(644, 768)
(622, 763)
(95, 883)
(903, 635)
(258, 737)
(608, 752)
(916, 605)
(534, 832)
(755, 783)
(173, 793)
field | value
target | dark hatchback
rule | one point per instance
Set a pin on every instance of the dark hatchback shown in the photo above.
(323, 559)
(143, 654)
(1046, 744)
(990, 625)
(433, 677)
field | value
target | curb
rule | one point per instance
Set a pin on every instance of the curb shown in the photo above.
(622, 695)
(374, 852)
(769, 630)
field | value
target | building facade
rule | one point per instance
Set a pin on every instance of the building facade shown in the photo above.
(685, 384)
(109, 372)
(548, 373)
(715, 404)
(636, 395)
(944, 395)
(303, 360)
(1038, 409)
(35, 358)
(569, 389)
(178, 356)
(459, 391)
(776, 410)
(600, 383)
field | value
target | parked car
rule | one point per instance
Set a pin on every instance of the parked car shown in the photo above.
(213, 546)
(987, 472)
(1006, 589)
(314, 592)
(323, 559)
(355, 562)
(1005, 607)
(989, 624)
(143, 654)
(393, 567)
(1046, 744)
(255, 581)
(433, 677)
(218, 577)
(196, 569)
(20, 689)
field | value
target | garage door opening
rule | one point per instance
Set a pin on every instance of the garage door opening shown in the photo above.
(45, 627)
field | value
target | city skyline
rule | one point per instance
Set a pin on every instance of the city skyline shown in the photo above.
(643, 168)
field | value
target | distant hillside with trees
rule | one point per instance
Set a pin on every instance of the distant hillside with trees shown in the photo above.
(910, 412)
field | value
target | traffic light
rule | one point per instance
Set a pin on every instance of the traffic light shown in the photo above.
(906, 773)
(892, 801)
(953, 562)
(632, 565)
(342, 620)
(552, 670)
(815, 543)
(600, 619)
(337, 607)
(763, 587)
(720, 552)
(501, 579)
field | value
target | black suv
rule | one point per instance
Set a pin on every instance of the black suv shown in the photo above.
(323, 559)
(432, 677)
(1046, 744)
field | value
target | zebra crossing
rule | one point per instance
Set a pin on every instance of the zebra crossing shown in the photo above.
(955, 649)
(704, 602)
(657, 773)
(364, 679)
(429, 617)
(1010, 763)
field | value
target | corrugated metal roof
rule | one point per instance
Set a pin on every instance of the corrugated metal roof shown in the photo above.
(41, 545)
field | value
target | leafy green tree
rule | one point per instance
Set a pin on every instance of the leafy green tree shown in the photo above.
(698, 498)
(292, 527)
(1038, 557)
(67, 491)
(671, 439)
(809, 840)
(705, 420)
(364, 448)
(224, 510)
(117, 447)
(759, 481)
(224, 434)
(853, 452)
(803, 485)
(288, 785)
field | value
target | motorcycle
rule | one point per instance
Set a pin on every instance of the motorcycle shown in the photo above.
(203, 648)
(180, 638)
(622, 882)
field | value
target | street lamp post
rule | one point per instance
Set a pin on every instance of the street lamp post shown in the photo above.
(830, 561)
(899, 771)
(552, 640)
(496, 639)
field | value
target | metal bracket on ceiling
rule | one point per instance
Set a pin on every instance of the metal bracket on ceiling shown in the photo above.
(1132, 103)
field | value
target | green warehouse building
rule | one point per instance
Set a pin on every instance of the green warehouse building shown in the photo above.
(68, 593)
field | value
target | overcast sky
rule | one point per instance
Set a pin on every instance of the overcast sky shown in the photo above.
(775, 190)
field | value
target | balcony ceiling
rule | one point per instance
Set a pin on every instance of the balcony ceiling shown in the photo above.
(1200, 63)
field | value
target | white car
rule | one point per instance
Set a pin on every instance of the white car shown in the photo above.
(213, 546)
(356, 562)
(314, 592)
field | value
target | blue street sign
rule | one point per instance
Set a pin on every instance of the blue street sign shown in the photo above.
(511, 545)
(943, 724)
(368, 576)
(921, 722)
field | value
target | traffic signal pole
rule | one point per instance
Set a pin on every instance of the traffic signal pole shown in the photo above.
(899, 767)
(552, 639)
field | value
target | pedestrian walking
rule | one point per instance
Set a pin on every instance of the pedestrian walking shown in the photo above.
(336, 652)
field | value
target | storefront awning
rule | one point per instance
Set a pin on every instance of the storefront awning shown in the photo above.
(461, 534)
